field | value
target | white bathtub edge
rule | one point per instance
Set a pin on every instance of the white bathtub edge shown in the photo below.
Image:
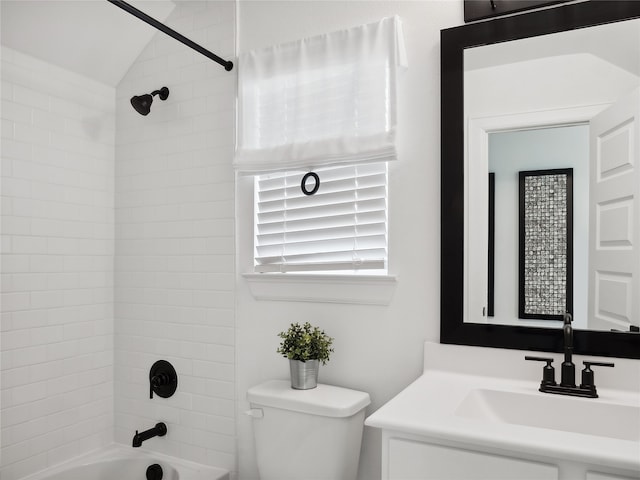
(188, 470)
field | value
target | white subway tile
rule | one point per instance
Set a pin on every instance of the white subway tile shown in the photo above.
(15, 111)
(31, 134)
(14, 339)
(16, 226)
(219, 353)
(18, 470)
(213, 370)
(68, 450)
(47, 120)
(6, 88)
(29, 97)
(11, 302)
(78, 297)
(15, 415)
(10, 263)
(47, 299)
(6, 244)
(60, 385)
(15, 187)
(43, 443)
(29, 318)
(29, 393)
(45, 263)
(16, 150)
(213, 406)
(214, 441)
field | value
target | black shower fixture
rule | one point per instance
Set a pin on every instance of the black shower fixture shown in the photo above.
(142, 103)
(228, 65)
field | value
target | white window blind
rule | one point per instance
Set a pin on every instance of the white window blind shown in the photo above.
(341, 227)
(325, 100)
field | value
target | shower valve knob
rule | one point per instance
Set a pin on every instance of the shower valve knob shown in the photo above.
(160, 379)
(163, 379)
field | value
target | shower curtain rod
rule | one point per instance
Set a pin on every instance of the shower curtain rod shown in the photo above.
(228, 65)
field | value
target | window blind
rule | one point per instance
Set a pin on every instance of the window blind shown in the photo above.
(341, 227)
(325, 100)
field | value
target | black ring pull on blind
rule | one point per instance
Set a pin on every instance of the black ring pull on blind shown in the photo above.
(303, 183)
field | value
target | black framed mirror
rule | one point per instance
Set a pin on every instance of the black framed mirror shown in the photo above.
(454, 41)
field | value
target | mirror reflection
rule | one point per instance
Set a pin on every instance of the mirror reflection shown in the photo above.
(566, 102)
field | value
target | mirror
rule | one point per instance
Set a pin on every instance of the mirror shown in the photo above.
(546, 77)
(514, 94)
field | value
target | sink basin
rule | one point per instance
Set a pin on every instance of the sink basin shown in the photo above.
(568, 414)
(456, 403)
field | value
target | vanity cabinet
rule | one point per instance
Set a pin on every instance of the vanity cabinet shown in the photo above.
(411, 457)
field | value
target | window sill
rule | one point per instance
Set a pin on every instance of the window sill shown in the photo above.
(354, 289)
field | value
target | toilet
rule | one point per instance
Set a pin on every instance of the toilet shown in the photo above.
(307, 434)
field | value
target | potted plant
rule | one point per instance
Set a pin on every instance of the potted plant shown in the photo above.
(305, 346)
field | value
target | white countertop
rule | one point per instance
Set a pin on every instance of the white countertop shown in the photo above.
(431, 407)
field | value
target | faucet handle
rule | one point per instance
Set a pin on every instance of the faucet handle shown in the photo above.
(587, 375)
(548, 372)
(538, 359)
(587, 364)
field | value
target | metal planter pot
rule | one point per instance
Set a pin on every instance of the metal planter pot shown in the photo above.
(304, 375)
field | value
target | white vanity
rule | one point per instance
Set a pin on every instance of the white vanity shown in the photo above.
(476, 413)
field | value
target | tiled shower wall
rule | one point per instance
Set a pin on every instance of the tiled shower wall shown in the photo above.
(57, 152)
(174, 269)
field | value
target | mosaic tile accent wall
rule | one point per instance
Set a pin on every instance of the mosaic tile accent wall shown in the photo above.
(544, 256)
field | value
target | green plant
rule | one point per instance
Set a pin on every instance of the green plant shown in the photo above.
(305, 343)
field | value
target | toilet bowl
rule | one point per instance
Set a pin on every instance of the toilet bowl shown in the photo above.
(307, 434)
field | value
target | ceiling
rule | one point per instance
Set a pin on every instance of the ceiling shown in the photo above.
(617, 43)
(91, 37)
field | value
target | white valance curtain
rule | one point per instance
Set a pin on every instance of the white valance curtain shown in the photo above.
(320, 101)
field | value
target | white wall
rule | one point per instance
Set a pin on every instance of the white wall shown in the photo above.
(57, 264)
(174, 239)
(378, 349)
(510, 153)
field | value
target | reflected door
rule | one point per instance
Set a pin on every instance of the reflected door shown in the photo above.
(614, 227)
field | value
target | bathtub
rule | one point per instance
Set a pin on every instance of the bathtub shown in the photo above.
(118, 462)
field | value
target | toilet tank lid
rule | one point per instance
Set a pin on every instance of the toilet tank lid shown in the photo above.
(325, 400)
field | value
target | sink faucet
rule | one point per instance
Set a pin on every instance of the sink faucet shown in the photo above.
(568, 373)
(160, 430)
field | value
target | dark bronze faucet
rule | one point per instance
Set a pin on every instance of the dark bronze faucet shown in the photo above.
(160, 430)
(568, 370)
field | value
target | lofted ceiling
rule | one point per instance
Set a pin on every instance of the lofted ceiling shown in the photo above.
(91, 37)
(617, 43)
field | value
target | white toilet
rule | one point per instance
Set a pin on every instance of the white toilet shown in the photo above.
(307, 434)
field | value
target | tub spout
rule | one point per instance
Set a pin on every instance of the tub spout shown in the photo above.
(160, 430)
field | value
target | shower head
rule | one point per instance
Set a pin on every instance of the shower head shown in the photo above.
(142, 103)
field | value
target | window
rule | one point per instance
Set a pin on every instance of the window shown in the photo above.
(342, 227)
(325, 104)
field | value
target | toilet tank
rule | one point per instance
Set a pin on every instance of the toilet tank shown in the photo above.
(307, 434)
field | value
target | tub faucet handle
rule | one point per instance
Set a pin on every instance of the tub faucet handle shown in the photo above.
(163, 379)
(158, 380)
